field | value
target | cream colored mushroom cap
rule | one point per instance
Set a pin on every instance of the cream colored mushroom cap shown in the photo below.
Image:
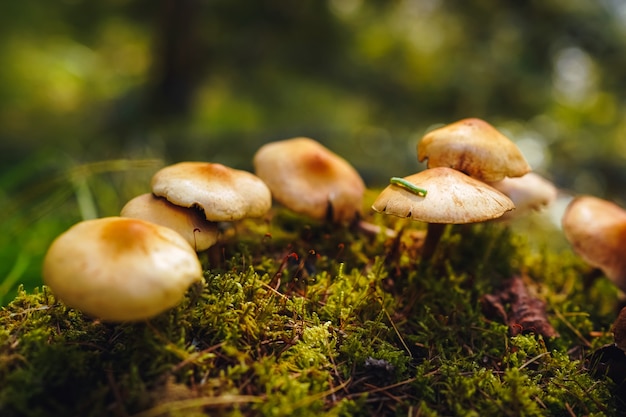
(190, 222)
(224, 193)
(452, 197)
(596, 229)
(120, 269)
(528, 192)
(308, 178)
(474, 147)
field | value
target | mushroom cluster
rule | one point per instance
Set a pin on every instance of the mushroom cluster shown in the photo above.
(118, 268)
(474, 174)
(141, 263)
(192, 197)
(463, 157)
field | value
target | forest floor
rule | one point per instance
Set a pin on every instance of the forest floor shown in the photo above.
(298, 318)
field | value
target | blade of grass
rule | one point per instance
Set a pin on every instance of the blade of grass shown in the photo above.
(16, 272)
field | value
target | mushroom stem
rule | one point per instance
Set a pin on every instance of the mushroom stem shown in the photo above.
(433, 236)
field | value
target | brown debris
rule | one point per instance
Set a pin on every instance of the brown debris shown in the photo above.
(519, 309)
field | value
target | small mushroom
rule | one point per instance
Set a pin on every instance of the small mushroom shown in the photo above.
(475, 148)
(120, 269)
(450, 197)
(223, 193)
(308, 178)
(619, 330)
(596, 229)
(189, 222)
(528, 192)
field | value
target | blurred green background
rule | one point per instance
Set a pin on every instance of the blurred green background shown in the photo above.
(96, 95)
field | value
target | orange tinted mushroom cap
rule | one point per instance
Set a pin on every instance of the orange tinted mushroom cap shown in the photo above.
(474, 147)
(619, 330)
(596, 229)
(223, 193)
(308, 178)
(120, 269)
(452, 198)
(188, 221)
(528, 192)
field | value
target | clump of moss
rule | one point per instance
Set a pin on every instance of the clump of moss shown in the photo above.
(301, 320)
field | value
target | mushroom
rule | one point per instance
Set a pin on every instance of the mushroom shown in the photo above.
(189, 222)
(528, 192)
(596, 229)
(120, 269)
(475, 148)
(619, 330)
(223, 193)
(309, 179)
(448, 197)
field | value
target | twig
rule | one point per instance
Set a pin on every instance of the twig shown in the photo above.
(222, 400)
(572, 328)
(531, 360)
(406, 347)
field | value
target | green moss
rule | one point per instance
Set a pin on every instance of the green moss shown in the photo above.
(296, 319)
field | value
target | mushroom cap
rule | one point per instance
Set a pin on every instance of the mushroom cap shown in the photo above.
(619, 329)
(190, 222)
(596, 229)
(308, 178)
(120, 269)
(452, 197)
(223, 193)
(474, 147)
(528, 192)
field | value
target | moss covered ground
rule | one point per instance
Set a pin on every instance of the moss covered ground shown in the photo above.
(297, 318)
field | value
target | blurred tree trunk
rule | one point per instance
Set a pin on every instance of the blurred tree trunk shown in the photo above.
(179, 60)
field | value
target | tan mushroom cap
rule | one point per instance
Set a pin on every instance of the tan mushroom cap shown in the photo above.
(308, 178)
(452, 197)
(528, 192)
(120, 269)
(596, 229)
(474, 147)
(224, 193)
(619, 330)
(190, 222)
